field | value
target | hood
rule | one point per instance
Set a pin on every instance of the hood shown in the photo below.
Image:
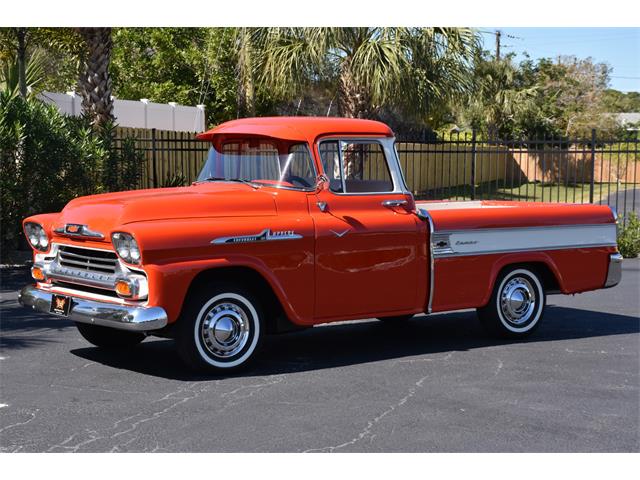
(105, 212)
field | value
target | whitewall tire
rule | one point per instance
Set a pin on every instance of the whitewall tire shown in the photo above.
(516, 305)
(220, 329)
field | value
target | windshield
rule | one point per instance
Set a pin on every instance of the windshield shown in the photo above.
(260, 161)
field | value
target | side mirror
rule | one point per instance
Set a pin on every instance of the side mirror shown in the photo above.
(322, 183)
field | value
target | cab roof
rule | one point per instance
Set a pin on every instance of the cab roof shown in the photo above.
(297, 128)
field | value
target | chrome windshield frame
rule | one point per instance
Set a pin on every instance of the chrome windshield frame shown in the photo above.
(258, 182)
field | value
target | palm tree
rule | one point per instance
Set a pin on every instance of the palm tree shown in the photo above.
(498, 98)
(245, 65)
(22, 76)
(412, 69)
(94, 84)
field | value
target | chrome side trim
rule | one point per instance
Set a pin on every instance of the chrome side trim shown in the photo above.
(264, 236)
(614, 274)
(424, 214)
(77, 230)
(123, 317)
(340, 234)
(518, 250)
(484, 241)
(441, 244)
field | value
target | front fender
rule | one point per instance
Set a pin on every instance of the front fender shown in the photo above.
(169, 283)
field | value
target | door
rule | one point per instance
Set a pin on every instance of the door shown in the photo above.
(367, 241)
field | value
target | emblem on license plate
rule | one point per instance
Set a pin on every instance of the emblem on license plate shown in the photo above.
(60, 305)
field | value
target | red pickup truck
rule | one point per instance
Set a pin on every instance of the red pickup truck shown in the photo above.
(295, 222)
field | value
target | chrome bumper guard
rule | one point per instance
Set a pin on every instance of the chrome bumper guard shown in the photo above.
(615, 270)
(123, 317)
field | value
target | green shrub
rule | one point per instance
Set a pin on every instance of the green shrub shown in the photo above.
(629, 236)
(47, 159)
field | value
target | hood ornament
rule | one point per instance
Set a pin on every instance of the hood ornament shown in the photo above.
(77, 230)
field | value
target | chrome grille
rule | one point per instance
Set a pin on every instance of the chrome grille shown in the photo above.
(77, 258)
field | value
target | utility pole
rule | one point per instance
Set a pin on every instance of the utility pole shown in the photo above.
(498, 35)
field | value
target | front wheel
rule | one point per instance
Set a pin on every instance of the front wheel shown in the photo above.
(220, 329)
(516, 305)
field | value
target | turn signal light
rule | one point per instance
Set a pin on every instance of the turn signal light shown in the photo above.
(38, 274)
(123, 288)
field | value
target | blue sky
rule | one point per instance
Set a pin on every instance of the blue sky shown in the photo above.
(619, 47)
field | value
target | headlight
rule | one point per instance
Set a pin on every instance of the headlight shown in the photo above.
(36, 236)
(126, 247)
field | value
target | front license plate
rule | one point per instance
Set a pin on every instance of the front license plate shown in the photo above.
(60, 305)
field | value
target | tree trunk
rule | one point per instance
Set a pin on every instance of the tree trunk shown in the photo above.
(353, 100)
(245, 93)
(21, 34)
(95, 83)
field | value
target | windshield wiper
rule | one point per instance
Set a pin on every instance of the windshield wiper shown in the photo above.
(239, 180)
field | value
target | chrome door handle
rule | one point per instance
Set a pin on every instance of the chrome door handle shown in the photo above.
(394, 203)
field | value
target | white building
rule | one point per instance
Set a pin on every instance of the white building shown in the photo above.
(629, 120)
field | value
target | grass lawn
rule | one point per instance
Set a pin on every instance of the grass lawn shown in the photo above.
(532, 192)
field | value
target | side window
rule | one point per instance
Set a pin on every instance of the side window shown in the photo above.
(330, 158)
(356, 166)
(365, 168)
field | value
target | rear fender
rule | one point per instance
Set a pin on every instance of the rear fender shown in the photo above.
(519, 259)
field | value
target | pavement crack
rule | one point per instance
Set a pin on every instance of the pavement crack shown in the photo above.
(367, 431)
(499, 368)
(247, 391)
(18, 424)
(83, 366)
(129, 423)
(426, 359)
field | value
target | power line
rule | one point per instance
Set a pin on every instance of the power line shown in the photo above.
(498, 34)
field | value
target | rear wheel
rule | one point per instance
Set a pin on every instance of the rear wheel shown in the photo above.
(106, 337)
(220, 329)
(516, 305)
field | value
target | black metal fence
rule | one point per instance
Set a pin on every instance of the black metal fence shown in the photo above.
(599, 169)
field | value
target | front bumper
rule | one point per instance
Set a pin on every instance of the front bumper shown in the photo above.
(123, 317)
(614, 274)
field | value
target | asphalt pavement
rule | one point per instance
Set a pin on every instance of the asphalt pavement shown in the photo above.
(437, 384)
(624, 201)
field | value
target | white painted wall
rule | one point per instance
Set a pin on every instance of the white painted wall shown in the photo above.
(138, 114)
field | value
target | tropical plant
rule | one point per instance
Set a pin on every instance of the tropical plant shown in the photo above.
(33, 74)
(497, 99)
(415, 70)
(47, 158)
(618, 102)
(571, 94)
(63, 51)
(629, 235)
(189, 66)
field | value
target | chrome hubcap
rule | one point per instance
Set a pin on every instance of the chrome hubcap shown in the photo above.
(518, 301)
(225, 330)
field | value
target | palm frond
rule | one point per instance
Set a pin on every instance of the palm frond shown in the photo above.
(34, 73)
